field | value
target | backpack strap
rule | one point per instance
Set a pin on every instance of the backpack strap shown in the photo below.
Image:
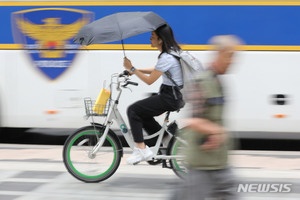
(169, 75)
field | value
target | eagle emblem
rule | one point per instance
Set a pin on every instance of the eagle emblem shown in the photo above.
(47, 34)
(51, 35)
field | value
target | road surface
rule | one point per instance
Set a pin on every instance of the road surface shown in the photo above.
(36, 172)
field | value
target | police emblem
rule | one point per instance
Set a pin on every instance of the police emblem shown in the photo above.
(47, 35)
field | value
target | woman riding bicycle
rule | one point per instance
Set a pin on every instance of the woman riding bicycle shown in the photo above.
(141, 114)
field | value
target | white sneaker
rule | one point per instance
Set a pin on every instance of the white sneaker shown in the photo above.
(139, 155)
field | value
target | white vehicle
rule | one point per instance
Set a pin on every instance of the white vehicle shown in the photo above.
(43, 80)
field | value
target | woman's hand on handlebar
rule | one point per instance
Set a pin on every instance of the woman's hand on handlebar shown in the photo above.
(124, 73)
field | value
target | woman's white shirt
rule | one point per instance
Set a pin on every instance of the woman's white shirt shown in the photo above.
(167, 62)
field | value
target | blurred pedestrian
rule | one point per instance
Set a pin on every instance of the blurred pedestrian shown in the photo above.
(209, 176)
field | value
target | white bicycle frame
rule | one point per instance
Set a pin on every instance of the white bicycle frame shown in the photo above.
(114, 114)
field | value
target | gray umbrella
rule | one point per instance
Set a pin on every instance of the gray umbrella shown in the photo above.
(117, 27)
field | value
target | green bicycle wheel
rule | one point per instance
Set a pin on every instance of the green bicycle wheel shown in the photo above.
(96, 168)
(176, 148)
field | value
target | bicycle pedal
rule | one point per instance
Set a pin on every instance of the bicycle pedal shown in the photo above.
(165, 165)
(136, 163)
(154, 161)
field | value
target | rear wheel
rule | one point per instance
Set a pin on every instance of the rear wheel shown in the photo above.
(92, 168)
(176, 148)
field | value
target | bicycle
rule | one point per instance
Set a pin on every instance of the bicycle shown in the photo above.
(93, 153)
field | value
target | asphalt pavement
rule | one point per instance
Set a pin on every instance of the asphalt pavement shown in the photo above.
(37, 172)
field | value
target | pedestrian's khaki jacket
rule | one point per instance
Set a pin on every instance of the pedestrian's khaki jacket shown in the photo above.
(206, 97)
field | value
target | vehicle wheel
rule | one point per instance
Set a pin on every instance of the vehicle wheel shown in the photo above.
(92, 168)
(176, 147)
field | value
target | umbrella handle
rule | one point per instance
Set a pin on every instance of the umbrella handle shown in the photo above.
(123, 48)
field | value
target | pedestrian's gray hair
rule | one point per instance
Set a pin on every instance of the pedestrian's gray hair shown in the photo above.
(221, 42)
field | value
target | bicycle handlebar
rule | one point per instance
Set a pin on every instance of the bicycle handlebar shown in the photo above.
(130, 83)
(124, 73)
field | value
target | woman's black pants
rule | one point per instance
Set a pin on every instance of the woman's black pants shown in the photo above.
(141, 114)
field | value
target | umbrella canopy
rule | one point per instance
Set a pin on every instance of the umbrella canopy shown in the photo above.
(117, 27)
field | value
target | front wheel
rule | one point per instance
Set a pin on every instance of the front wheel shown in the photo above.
(176, 148)
(92, 168)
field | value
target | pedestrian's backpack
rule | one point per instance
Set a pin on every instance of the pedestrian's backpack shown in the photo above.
(189, 65)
